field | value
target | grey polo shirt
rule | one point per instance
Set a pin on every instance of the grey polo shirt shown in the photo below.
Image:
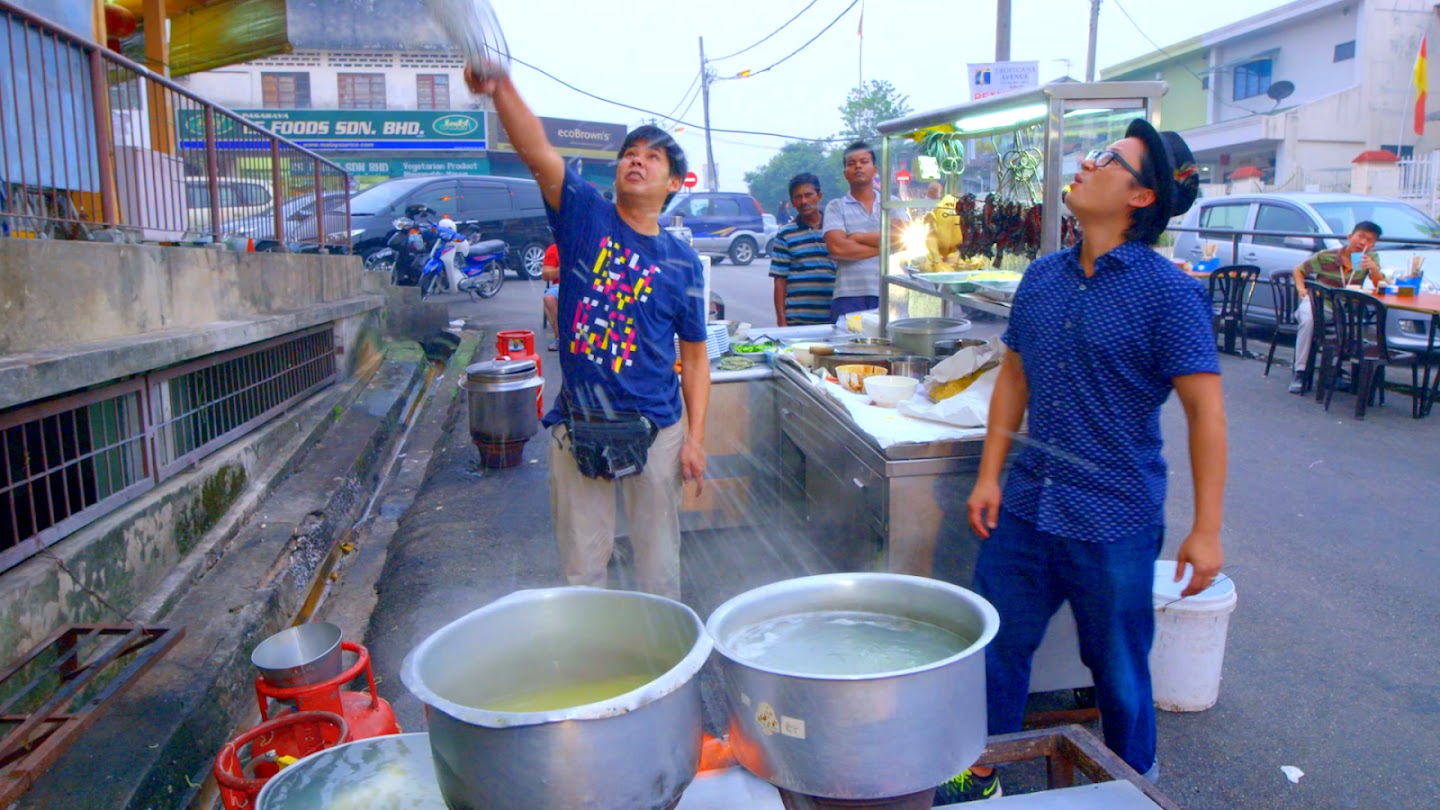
(860, 277)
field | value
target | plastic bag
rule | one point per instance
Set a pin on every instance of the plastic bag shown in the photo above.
(471, 25)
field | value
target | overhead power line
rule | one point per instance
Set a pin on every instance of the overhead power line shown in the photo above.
(655, 114)
(772, 33)
(807, 44)
(685, 95)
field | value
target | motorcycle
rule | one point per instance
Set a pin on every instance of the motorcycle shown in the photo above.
(407, 247)
(458, 265)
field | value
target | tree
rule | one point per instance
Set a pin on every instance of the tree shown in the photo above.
(867, 106)
(771, 183)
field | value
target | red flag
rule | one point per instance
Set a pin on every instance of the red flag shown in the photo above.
(1421, 88)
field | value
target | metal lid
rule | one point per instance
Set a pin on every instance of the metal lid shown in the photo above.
(500, 370)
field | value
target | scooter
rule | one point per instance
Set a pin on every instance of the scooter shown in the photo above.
(457, 265)
(407, 247)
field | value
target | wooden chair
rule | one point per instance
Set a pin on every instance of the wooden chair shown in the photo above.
(1287, 300)
(1230, 289)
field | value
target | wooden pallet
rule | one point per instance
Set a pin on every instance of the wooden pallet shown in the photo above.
(106, 658)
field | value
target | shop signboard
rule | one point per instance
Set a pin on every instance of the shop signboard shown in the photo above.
(570, 137)
(350, 130)
(994, 78)
(405, 167)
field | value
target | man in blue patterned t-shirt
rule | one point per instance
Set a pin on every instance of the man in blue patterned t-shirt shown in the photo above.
(630, 294)
(1098, 337)
(799, 261)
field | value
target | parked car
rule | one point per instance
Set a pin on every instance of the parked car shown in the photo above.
(299, 216)
(772, 227)
(240, 197)
(726, 225)
(1306, 213)
(508, 208)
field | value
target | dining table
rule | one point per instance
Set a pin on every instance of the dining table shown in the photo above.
(1428, 304)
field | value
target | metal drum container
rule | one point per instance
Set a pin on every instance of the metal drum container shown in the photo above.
(637, 750)
(501, 395)
(858, 737)
(918, 335)
(913, 366)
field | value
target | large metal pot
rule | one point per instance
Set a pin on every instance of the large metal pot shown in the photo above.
(504, 403)
(918, 335)
(637, 751)
(866, 736)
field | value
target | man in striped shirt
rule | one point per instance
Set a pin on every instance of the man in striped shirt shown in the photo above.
(799, 261)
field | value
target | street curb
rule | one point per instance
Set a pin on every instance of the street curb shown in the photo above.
(155, 746)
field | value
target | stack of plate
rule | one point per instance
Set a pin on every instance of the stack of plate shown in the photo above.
(717, 341)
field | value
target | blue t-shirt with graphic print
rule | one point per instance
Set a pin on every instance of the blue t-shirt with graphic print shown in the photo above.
(625, 296)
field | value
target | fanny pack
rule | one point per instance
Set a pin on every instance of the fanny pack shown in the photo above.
(608, 445)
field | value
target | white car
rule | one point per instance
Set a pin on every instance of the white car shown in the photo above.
(1327, 216)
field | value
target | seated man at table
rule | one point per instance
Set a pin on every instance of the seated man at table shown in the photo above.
(1333, 268)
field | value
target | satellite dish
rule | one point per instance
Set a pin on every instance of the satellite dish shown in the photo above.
(1280, 91)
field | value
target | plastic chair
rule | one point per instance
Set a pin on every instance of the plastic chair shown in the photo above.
(1230, 289)
(1287, 300)
(1322, 345)
(1360, 336)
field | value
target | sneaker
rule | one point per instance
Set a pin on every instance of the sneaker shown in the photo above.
(967, 787)
(1297, 384)
(554, 345)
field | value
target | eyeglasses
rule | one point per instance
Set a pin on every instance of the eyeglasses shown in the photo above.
(1104, 157)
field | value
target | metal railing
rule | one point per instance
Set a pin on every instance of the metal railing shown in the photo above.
(96, 146)
(68, 461)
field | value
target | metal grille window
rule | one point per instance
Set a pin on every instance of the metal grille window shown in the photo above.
(285, 91)
(67, 462)
(362, 91)
(432, 91)
(202, 405)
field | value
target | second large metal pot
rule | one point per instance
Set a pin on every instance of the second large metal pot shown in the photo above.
(637, 751)
(501, 397)
(858, 737)
(918, 335)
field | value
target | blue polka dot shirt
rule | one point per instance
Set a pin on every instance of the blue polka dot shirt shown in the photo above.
(1099, 356)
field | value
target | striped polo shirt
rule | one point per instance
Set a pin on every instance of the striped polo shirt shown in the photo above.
(800, 257)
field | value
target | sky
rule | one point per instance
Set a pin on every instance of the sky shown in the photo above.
(646, 55)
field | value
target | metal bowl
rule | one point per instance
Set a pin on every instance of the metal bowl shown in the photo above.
(858, 736)
(637, 750)
(302, 655)
(945, 348)
(871, 341)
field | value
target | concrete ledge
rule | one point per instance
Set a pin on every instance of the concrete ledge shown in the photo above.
(34, 375)
(157, 742)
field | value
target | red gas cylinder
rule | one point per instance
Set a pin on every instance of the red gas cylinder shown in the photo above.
(519, 344)
(289, 736)
(367, 714)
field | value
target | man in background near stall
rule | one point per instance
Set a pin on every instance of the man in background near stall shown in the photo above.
(1099, 335)
(852, 235)
(935, 190)
(1333, 268)
(550, 273)
(799, 261)
(624, 416)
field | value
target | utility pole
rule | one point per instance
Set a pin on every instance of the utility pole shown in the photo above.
(710, 179)
(1094, 35)
(1002, 31)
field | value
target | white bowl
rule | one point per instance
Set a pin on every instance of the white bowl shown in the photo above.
(802, 355)
(888, 390)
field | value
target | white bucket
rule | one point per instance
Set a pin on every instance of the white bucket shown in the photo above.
(1189, 649)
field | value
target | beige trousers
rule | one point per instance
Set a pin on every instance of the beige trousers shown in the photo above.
(584, 513)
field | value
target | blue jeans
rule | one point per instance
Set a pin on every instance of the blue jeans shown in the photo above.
(1026, 574)
(844, 305)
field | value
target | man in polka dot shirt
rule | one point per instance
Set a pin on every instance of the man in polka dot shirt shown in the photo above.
(1099, 336)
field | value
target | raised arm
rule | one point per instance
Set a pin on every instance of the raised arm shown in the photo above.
(526, 134)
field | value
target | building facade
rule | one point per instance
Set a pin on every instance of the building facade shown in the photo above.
(380, 92)
(1294, 94)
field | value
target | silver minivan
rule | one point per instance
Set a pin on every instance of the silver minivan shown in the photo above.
(1318, 213)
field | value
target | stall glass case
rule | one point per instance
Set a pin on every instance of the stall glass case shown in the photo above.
(973, 193)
